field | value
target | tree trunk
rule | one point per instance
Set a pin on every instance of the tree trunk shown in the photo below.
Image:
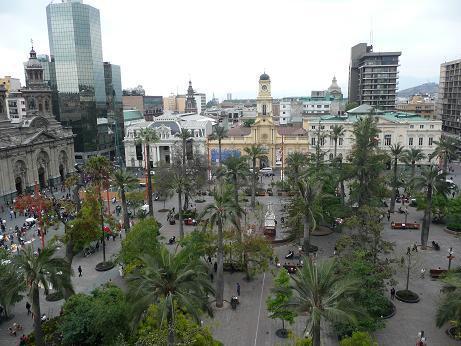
(149, 183)
(126, 220)
(427, 218)
(408, 272)
(37, 316)
(181, 223)
(316, 334)
(253, 185)
(306, 235)
(219, 274)
(186, 201)
(394, 187)
(68, 292)
(445, 163)
(76, 196)
(170, 320)
(102, 229)
(413, 170)
(219, 151)
(336, 147)
(343, 191)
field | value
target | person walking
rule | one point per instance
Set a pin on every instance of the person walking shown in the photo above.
(79, 271)
(392, 293)
(28, 306)
(388, 215)
(423, 272)
(238, 289)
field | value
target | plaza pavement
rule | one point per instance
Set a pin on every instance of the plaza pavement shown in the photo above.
(249, 323)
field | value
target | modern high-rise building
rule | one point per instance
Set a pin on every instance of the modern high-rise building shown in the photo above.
(449, 97)
(373, 77)
(74, 32)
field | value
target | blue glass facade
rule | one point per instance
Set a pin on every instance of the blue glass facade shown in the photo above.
(74, 32)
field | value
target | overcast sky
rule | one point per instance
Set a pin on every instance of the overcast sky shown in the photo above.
(225, 45)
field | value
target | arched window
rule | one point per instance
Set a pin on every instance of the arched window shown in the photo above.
(1, 107)
(264, 109)
(32, 103)
(40, 107)
(47, 105)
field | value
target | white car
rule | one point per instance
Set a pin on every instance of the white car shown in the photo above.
(266, 171)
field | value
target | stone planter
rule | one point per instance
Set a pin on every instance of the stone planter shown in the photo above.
(282, 333)
(392, 313)
(451, 332)
(104, 266)
(54, 297)
(407, 296)
(449, 231)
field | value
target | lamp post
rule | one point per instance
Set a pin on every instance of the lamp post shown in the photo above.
(408, 266)
(450, 257)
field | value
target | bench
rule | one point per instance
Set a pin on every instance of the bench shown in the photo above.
(436, 273)
(398, 225)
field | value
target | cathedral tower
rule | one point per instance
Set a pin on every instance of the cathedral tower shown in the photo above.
(191, 104)
(264, 99)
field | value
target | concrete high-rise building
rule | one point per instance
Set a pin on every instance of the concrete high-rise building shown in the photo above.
(200, 100)
(449, 97)
(74, 32)
(373, 77)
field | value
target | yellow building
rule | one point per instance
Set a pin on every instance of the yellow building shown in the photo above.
(279, 141)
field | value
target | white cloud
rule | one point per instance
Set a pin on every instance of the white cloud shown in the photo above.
(224, 46)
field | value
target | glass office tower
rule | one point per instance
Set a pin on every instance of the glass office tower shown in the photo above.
(74, 32)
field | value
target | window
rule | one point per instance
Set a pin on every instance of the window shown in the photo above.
(322, 127)
(387, 139)
(432, 126)
(264, 109)
(341, 141)
(420, 141)
(412, 126)
(319, 106)
(313, 127)
(326, 106)
(430, 141)
(322, 141)
(410, 141)
(331, 127)
(421, 126)
(313, 140)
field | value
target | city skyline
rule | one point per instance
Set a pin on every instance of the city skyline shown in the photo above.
(223, 49)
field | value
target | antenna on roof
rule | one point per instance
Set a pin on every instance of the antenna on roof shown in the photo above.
(371, 31)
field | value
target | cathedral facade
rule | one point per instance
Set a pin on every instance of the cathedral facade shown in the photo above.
(37, 149)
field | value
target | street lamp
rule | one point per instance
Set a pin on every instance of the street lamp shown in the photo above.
(450, 257)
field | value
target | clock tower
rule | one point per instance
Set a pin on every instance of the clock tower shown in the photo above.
(264, 99)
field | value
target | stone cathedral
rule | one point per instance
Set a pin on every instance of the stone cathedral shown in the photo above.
(37, 149)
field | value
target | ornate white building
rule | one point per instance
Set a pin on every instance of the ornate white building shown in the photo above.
(168, 126)
(36, 149)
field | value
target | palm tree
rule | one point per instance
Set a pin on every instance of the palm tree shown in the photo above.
(99, 169)
(337, 132)
(411, 156)
(296, 161)
(178, 184)
(254, 152)
(322, 294)
(172, 281)
(235, 170)
(123, 181)
(185, 135)
(449, 309)
(446, 150)
(396, 153)
(218, 213)
(431, 182)
(218, 134)
(148, 136)
(307, 203)
(44, 270)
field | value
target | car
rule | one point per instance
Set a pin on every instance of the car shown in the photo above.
(266, 171)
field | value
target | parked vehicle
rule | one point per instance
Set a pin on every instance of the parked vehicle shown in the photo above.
(266, 171)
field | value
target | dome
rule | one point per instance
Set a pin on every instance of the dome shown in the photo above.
(264, 76)
(334, 85)
(33, 62)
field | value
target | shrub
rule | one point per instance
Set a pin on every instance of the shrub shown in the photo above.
(359, 339)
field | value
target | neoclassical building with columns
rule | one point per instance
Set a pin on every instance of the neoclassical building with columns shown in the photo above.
(37, 149)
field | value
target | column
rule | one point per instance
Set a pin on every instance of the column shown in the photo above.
(158, 155)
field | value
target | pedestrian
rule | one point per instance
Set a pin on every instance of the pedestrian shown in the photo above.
(113, 237)
(238, 289)
(392, 293)
(423, 271)
(97, 245)
(14, 212)
(79, 271)
(28, 308)
(215, 266)
(388, 215)
(209, 259)
(453, 194)
(211, 277)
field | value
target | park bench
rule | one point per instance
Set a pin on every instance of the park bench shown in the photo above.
(399, 225)
(436, 273)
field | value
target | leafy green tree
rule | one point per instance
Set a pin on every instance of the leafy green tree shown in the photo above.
(411, 156)
(449, 309)
(179, 183)
(256, 252)
(172, 281)
(367, 162)
(96, 319)
(430, 181)
(296, 163)
(152, 332)
(221, 211)
(359, 339)
(336, 133)
(201, 243)
(148, 136)
(397, 151)
(351, 105)
(11, 283)
(124, 181)
(142, 239)
(321, 294)
(254, 153)
(446, 150)
(277, 302)
(219, 133)
(135, 199)
(42, 270)
(248, 122)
